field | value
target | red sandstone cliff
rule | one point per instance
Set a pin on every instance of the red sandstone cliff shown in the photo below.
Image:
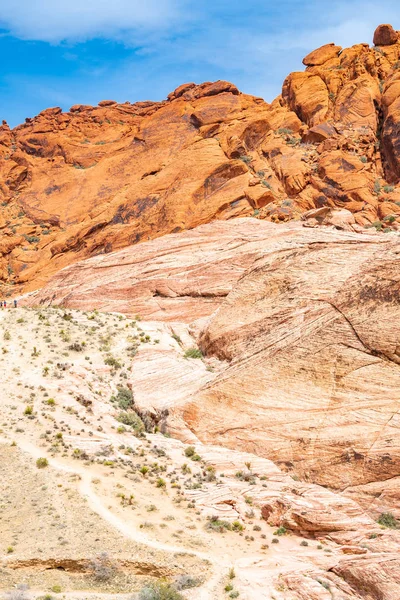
(97, 179)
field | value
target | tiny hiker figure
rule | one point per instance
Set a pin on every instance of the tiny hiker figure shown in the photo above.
(15, 303)
(5, 303)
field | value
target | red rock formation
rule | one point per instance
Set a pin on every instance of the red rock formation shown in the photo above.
(96, 179)
(305, 321)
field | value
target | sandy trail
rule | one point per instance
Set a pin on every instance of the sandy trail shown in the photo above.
(207, 592)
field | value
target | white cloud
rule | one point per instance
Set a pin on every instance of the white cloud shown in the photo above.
(59, 20)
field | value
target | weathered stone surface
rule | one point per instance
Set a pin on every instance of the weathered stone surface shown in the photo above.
(294, 325)
(180, 277)
(297, 333)
(321, 55)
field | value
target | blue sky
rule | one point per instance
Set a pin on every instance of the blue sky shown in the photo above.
(63, 52)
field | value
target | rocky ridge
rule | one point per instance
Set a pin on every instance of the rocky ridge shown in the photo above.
(96, 179)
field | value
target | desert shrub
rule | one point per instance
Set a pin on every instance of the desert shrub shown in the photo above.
(237, 526)
(388, 189)
(284, 131)
(131, 419)
(28, 410)
(111, 361)
(388, 520)
(377, 187)
(32, 239)
(193, 353)
(160, 590)
(190, 451)
(246, 159)
(185, 582)
(41, 463)
(304, 543)
(76, 347)
(266, 184)
(102, 567)
(19, 593)
(378, 225)
(124, 398)
(216, 524)
(210, 474)
(7, 336)
(280, 531)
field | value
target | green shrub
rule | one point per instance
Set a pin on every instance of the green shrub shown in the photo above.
(111, 361)
(32, 239)
(280, 531)
(41, 463)
(388, 520)
(216, 524)
(131, 419)
(193, 353)
(28, 410)
(56, 589)
(237, 526)
(190, 451)
(124, 398)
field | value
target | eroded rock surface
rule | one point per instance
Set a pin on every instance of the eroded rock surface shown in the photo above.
(301, 321)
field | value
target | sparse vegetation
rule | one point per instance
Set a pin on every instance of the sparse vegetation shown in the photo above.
(102, 567)
(131, 419)
(21, 592)
(160, 590)
(124, 398)
(216, 524)
(193, 353)
(41, 463)
(280, 531)
(388, 520)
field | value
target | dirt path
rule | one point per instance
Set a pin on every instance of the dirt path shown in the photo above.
(207, 592)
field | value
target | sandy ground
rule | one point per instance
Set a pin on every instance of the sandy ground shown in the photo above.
(105, 490)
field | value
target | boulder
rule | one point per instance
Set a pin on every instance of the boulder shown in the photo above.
(385, 35)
